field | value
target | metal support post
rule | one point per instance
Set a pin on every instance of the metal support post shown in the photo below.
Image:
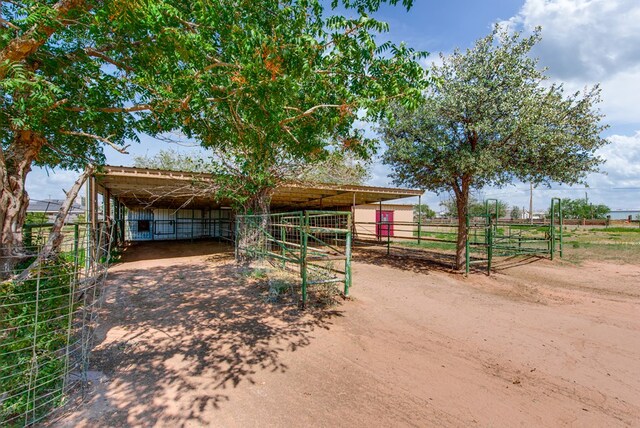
(283, 237)
(388, 237)
(379, 222)
(236, 240)
(419, 218)
(561, 222)
(193, 219)
(467, 255)
(490, 247)
(303, 255)
(347, 264)
(552, 229)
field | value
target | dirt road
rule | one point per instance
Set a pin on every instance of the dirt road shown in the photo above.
(191, 342)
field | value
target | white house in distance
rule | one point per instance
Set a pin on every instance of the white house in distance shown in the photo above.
(50, 208)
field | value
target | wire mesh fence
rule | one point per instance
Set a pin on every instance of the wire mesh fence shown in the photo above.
(47, 319)
(314, 244)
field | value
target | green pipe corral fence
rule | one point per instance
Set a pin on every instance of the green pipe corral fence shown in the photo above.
(315, 243)
(488, 236)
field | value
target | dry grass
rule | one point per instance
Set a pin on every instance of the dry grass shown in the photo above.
(619, 245)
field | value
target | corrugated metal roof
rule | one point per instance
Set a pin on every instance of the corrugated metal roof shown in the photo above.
(158, 188)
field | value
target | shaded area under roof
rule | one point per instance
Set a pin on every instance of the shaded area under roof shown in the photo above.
(151, 188)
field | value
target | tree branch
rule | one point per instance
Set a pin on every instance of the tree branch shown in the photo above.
(104, 140)
(310, 112)
(97, 54)
(55, 236)
(26, 44)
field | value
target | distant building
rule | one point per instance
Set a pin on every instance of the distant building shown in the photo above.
(381, 220)
(50, 208)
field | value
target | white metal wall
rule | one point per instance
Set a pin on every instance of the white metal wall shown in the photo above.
(169, 224)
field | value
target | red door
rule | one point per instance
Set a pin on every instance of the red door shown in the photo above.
(384, 223)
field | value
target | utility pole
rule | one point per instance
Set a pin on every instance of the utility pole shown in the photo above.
(530, 203)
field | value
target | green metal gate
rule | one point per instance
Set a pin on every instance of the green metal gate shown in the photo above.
(316, 243)
(488, 236)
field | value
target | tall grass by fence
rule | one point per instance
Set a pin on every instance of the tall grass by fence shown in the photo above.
(47, 321)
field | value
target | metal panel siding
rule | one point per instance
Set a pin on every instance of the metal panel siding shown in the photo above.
(133, 223)
(164, 224)
(169, 224)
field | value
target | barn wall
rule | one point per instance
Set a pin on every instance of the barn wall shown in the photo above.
(168, 224)
(365, 218)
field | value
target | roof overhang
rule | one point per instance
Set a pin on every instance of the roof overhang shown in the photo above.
(151, 188)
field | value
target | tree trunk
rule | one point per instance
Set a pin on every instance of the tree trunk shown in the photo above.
(252, 241)
(55, 235)
(260, 202)
(15, 164)
(462, 199)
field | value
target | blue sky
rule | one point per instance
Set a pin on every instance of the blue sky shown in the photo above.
(583, 42)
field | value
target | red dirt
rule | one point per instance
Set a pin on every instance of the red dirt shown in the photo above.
(190, 342)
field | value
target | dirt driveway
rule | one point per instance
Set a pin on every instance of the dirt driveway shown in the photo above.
(188, 341)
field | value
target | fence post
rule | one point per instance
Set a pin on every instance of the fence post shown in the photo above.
(303, 256)
(283, 237)
(552, 228)
(236, 240)
(419, 218)
(28, 235)
(467, 256)
(560, 222)
(76, 244)
(388, 237)
(490, 247)
(347, 264)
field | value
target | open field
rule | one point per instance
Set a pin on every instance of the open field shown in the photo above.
(188, 339)
(581, 243)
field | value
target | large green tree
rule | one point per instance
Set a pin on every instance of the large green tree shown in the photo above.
(288, 92)
(422, 213)
(261, 83)
(493, 117)
(581, 208)
(61, 102)
(475, 207)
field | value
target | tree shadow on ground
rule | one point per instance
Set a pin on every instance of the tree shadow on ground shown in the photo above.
(419, 261)
(423, 260)
(174, 339)
(155, 250)
(505, 263)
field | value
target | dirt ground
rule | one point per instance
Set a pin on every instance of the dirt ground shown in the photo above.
(185, 340)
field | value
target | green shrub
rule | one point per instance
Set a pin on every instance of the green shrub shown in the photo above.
(34, 320)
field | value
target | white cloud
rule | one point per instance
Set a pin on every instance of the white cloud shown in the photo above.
(622, 164)
(587, 39)
(49, 184)
(618, 186)
(585, 42)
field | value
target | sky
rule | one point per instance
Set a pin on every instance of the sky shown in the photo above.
(584, 42)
